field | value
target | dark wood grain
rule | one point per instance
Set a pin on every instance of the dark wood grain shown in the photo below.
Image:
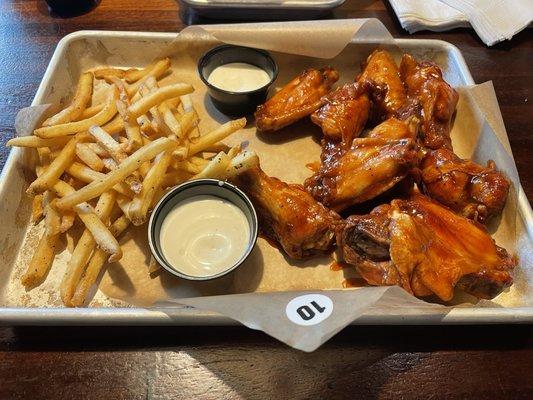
(484, 362)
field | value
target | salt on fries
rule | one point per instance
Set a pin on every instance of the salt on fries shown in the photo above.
(104, 166)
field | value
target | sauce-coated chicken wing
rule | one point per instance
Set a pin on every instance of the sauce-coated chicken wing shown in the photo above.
(298, 98)
(426, 249)
(368, 168)
(289, 215)
(474, 191)
(389, 96)
(437, 98)
(344, 114)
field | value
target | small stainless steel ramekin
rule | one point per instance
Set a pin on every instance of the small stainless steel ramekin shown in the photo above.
(199, 187)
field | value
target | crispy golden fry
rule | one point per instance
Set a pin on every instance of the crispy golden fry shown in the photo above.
(108, 143)
(134, 74)
(170, 120)
(37, 208)
(70, 128)
(116, 125)
(41, 261)
(108, 73)
(51, 175)
(217, 135)
(84, 248)
(153, 266)
(99, 150)
(133, 131)
(174, 178)
(79, 102)
(189, 122)
(90, 111)
(67, 220)
(95, 265)
(52, 219)
(216, 167)
(240, 163)
(138, 209)
(89, 157)
(87, 175)
(126, 168)
(36, 142)
(156, 72)
(144, 104)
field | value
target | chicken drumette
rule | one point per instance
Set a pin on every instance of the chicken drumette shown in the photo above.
(474, 191)
(298, 98)
(388, 92)
(344, 114)
(426, 249)
(424, 83)
(289, 215)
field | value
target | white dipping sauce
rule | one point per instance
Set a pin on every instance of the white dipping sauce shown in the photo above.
(238, 77)
(204, 235)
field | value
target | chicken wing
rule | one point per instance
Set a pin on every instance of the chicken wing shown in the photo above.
(367, 169)
(426, 249)
(395, 129)
(299, 98)
(289, 215)
(474, 191)
(389, 96)
(437, 98)
(344, 114)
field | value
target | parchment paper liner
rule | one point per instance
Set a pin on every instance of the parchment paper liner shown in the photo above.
(478, 133)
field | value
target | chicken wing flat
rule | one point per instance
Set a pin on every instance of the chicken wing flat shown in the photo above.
(395, 129)
(299, 98)
(381, 70)
(437, 98)
(289, 215)
(426, 249)
(474, 191)
(367, 169)
(344, 114)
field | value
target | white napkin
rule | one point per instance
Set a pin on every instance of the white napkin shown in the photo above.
(493, 20)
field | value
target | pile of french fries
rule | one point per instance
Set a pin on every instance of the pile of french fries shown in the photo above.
(106, 165)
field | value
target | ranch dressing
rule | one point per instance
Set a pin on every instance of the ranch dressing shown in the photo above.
(238, 77)
(204, 235)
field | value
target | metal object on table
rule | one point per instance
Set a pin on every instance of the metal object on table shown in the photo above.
(261, 10)
(15, 206)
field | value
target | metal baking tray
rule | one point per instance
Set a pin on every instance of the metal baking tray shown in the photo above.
(14, 209)
(260, 10)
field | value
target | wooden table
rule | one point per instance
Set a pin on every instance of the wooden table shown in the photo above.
(228, 363)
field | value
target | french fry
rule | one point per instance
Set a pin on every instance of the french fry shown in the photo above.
(126, 168)
(133, 131)
(216, 167)
(144, 104)
(107, 73)
(36, 142)
(170, 120)
(174, 178)
(216, 135)
(52, 219)
(189, 122)
(134, 74)
(95, 265)
(153, 266)
(79, 102)
(85, 247)
(41, 261)
(240, 163)
(67, 220)
(51, 174)
(138, 209)
(70, 128)
(87, 175)
(159, 68)
(108, 143)
(37, 208)
(99, 150)
(89, 157)
(90, 111)
(186, 101)
(116, 125)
